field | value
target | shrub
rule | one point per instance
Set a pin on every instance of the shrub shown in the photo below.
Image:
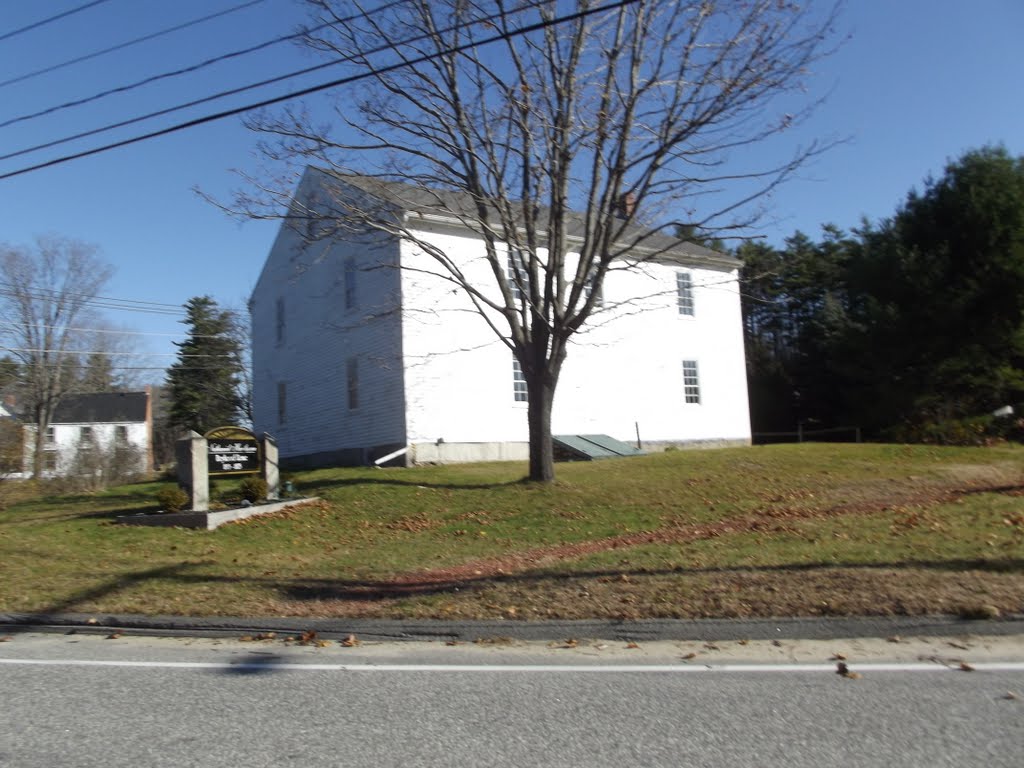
(253, 489)
(172, 498)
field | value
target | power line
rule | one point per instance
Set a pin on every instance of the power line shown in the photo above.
(106, 353)
(127, 44)
(121, 332)
(188, 69)
(535, 27)
(100, 302)
(37, 24)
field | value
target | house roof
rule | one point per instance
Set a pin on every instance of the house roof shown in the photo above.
(458, 206)
(101, 408)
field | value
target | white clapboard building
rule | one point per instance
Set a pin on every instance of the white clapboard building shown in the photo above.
(358, 350)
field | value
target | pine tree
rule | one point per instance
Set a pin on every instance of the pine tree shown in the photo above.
(204, 382)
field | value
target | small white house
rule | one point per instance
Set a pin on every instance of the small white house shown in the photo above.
(96, 432)
(359, 351)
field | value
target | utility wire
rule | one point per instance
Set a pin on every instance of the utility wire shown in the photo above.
(122, 332)
(536, 26)
(38, 24)
(11, 286)
(189, 69)
(101, 302)
(104, 352)
(221, 95)
(127, 44)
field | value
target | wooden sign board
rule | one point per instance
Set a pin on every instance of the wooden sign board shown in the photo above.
(232, 451)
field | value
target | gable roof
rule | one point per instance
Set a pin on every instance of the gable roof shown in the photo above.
(456, 206)
(101, 408)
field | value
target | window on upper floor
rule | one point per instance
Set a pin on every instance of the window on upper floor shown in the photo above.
(85, 435)
(589, 288)
(51, 436)
(691, 382)
(352, 377)
(279, 321)
(351, 293)
(684, 293)
(121, 434)
(519, 390)
(517, 273)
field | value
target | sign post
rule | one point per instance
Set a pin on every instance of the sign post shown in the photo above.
(225, 451)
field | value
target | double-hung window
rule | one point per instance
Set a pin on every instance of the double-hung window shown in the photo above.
(691, 382)
(517, 273)
(351, 294)
(684, 293)
(352, 376)
(519, 391)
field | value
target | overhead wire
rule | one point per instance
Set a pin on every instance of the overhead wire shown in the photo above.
(126, 44)
(65, 14)
(526, 29)
(220, 95)
(189, 69)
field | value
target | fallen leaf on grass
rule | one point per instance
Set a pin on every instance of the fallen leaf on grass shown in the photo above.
(960, 646)
(350, 642)
(689, 656)
(452, 642)
(965, 667)
(894, 639)
(114, 635)
(631, 645)
(712, 647)
(1011, 696)
(837, 657)
(92, 621)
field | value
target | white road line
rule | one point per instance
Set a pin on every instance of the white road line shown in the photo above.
(992, 666)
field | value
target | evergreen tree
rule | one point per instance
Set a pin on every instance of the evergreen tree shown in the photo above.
(204, 382)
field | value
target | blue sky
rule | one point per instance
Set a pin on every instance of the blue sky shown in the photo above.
(918, 83)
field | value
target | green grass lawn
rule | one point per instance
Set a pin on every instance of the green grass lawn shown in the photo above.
(807, 529)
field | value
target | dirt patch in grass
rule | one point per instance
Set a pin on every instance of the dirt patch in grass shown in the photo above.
(528, 585)
(787, 530)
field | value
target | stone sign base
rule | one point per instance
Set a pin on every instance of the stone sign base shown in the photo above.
(208, 520)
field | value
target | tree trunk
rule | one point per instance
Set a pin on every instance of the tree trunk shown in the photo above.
(40, 447)
(542, 458)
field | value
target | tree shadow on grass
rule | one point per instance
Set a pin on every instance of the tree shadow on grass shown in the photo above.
(372, 590)
(63, 612)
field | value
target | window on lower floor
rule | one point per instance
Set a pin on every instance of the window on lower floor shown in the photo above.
(519, 390)
(352, 375)
(691, 382)
(50, 461)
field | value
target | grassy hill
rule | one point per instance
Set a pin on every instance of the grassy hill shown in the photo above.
(806, 529)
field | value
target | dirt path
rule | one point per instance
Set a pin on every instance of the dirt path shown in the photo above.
(768, 520)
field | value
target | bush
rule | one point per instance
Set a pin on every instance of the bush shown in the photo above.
(172, 498)
(974, 431)
(253, 489)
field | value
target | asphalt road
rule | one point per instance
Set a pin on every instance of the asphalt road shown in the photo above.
(85, 700)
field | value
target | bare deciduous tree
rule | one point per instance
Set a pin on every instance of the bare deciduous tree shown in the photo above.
(582, 135)
(45, 297)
